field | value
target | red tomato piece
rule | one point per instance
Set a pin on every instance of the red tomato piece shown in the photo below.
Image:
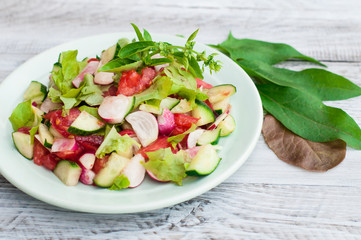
(183, 122)
(129, 132)
(99, 164)
(112, 91)
(24, 130)
(160, 143)
(201, 83)
(69, 155)
(49, 161)
(39, 152)
(131, 82)
(93, 59)
(90, 143)
(60, 123)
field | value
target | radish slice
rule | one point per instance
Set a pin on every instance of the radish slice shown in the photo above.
(135, 171)
(193, 137)
(159, 67)
(48, 105)
(90, 68)
(87, 176)
(192, 152)
(166, 122)
(114, 108)
(220, 118)
(87, 160)
(64, 144)
(145, 126)
(154, 177)
(103, 78)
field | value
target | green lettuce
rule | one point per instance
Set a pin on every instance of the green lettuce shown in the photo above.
(22, 116)
(120, 182)
(167, 166)
(114, 142)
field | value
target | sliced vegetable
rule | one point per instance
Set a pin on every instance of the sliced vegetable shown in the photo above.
(36, 92)
(205, 161)
(182, 107)
(150, 108)
(46, 138)
(113, 109)
(227, 126)
(68, 172)
(145, 126)
(135, 171)
(112, 168)
(23, 144)
(103, 78)
(220, 92)
(209, 137)
(87, 160)
(169, 103)
(48, 105)
(86, 124)
(90, 68)
(221, 106)
(203, 112)
(166, 122)
(87, 176)
(64, 145)
(193, 137)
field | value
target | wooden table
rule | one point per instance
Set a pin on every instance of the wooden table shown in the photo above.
(265, 198)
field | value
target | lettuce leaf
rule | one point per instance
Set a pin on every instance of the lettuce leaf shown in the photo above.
(114, 142)
(167, 166)
(120, 182)
(22, 116)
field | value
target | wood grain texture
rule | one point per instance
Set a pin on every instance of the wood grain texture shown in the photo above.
(265, 198)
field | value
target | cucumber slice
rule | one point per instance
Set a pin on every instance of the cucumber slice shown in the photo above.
(46, 138)
(22, 142)
(85, 124)
(205, 161)
(182, 107)
(68, 172)
(220, 92)
(227, 126)
(111, 170)
(55, 133)
(222, 106)
(203, 112)
(209, 137)
(169, 103)
(36, 92)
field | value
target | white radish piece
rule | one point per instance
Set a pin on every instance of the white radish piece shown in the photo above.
(87, 176)
(90, 68)
(87, 160)
(48, 105)
(192, 152)
(135, 171)
(220, 118)
(103, 78)
(144, 125)
(154, 177)
(64, 144)
(193, 137)
(166, 122)
(114, 108)
(159, 67)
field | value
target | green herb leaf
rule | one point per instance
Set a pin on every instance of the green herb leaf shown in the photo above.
(134, 47)
(147, 36)
(193, 36)
(113, 65)
(308, 117)
(321, 83)
(137, 31)
(270, 53)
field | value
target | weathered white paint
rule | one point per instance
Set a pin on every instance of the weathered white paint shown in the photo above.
(266, 198)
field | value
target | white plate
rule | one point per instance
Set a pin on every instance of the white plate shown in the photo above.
(44, 185)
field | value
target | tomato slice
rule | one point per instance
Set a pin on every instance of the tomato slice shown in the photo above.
(201, 83)
(112, 91)
(161, 142)
(90, 143)
(25, 130)
(129, 132)
(99, 164)
(43, 157)
(49, 161)
(183, 122)
(60, 123)
(131, 82)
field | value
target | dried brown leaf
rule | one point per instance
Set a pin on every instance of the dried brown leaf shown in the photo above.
(297, 151)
